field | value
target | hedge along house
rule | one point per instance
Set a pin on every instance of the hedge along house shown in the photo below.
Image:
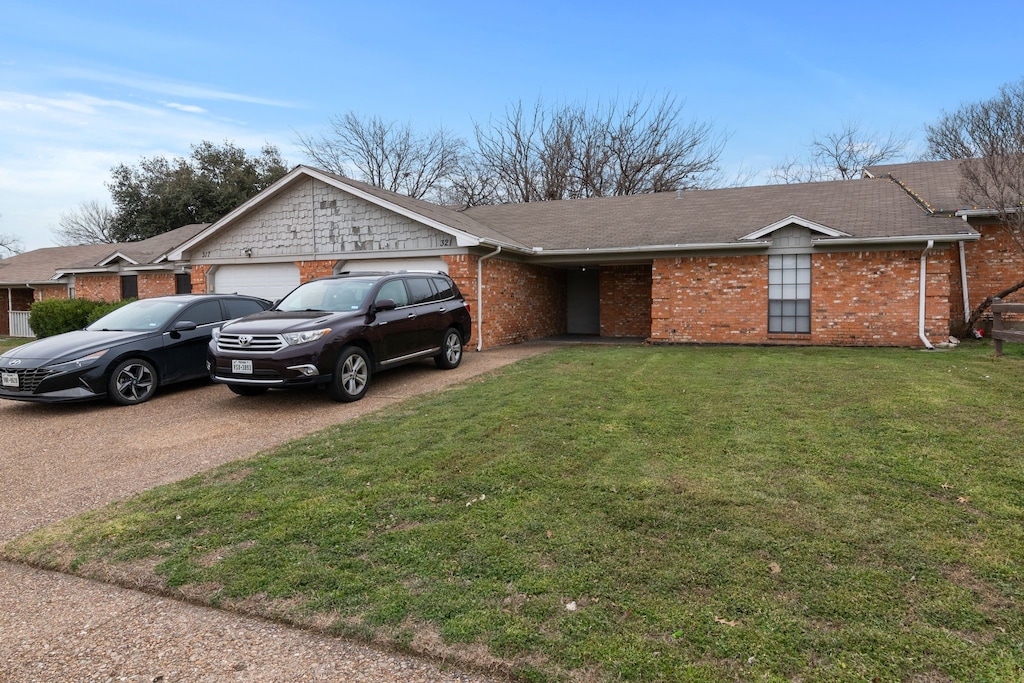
(857, 262)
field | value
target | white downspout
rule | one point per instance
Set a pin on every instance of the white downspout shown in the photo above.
(480, 297)
(924, 275)
(963, 282)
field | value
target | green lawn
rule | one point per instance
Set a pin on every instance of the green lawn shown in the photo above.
(603, 513)
(10, 342)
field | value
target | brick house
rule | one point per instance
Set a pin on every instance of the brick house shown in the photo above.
(892, 259)
(862, 262)
(101, 272)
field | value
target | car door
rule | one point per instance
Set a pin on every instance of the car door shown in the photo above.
(184, 351)
(428, 313)
(397, 330)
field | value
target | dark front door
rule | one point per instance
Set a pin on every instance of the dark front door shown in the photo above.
(583, 297)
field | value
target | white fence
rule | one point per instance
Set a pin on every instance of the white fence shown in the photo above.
(19, 324)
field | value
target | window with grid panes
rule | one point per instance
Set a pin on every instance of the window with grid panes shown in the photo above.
(789, 293)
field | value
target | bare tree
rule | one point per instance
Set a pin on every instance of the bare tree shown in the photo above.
(989, 137)
(508, 151)
(10, 245)
(90, 223)
(386, 154)
(840, 155)
(570, 151)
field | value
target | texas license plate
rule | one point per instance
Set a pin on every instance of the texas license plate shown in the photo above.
(241, 367)
(10, 380)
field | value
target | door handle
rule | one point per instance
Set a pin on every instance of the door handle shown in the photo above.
(412, 316)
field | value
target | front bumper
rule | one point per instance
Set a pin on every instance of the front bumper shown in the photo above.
(40, 385)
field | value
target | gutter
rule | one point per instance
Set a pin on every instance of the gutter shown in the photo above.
(480, 297)
(917, 239)
(920, 315)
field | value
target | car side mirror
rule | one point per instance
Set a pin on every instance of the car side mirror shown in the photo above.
(385, 305)
(184, 326)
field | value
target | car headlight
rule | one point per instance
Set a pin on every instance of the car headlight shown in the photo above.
(294, 338)
(69, 365)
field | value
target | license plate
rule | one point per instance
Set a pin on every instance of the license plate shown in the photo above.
(241, 367)
(10, 379)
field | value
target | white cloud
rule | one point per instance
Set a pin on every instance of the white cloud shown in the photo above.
(188, 108)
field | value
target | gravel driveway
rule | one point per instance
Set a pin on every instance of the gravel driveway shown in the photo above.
(58, 461)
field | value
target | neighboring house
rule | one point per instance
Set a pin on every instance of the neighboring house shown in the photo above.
(102, 272)
(857, 262)
(24, 277)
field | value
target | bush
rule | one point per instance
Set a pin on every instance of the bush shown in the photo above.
(56, 316)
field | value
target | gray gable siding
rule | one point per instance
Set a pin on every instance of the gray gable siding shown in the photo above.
(312, 218)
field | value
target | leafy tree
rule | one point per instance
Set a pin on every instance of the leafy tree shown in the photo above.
(988, 137)
(160, 194)
(388, 155)
(840, 155)
(90, 223)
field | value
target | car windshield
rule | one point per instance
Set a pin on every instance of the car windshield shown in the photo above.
(347, 294)
(138, 316)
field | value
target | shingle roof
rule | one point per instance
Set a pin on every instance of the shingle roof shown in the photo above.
(144, 252)
(40, 265)
(935, 183)
(866, 209)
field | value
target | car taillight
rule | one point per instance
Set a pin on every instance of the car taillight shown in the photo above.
(468, 310)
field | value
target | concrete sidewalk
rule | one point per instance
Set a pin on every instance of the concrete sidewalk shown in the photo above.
(55, 627)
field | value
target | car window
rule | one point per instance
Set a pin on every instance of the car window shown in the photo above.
(419, 289)
(394, 290)
(139, 316)
(242, 307)
(443, 287)
(203, 313)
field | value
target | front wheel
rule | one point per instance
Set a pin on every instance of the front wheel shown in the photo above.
(451, 350)
(351, 375)
(132, 381)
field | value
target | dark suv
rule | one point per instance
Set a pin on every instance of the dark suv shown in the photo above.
(337, 331)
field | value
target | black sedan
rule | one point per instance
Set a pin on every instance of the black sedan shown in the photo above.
(126, 354)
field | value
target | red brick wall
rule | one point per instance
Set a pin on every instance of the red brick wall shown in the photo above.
(310, 270)
(994, 262)
(105, 287)
(198, 275)
(857, 299)
(520, 301)
(462, 269)
(47, 292)
(154, 284)
(625, 301)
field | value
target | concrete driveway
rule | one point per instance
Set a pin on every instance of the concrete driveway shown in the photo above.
(58, 461)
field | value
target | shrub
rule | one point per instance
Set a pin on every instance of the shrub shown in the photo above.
(56, 316)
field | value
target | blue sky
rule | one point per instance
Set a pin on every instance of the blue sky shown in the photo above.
(88, 85)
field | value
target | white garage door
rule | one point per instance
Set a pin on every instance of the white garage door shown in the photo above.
(395, 264)
(268, 280)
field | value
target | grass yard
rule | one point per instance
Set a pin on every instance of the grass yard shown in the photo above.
(10, 342)
(604, 513)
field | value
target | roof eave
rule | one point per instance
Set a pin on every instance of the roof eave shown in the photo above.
(894, 240)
